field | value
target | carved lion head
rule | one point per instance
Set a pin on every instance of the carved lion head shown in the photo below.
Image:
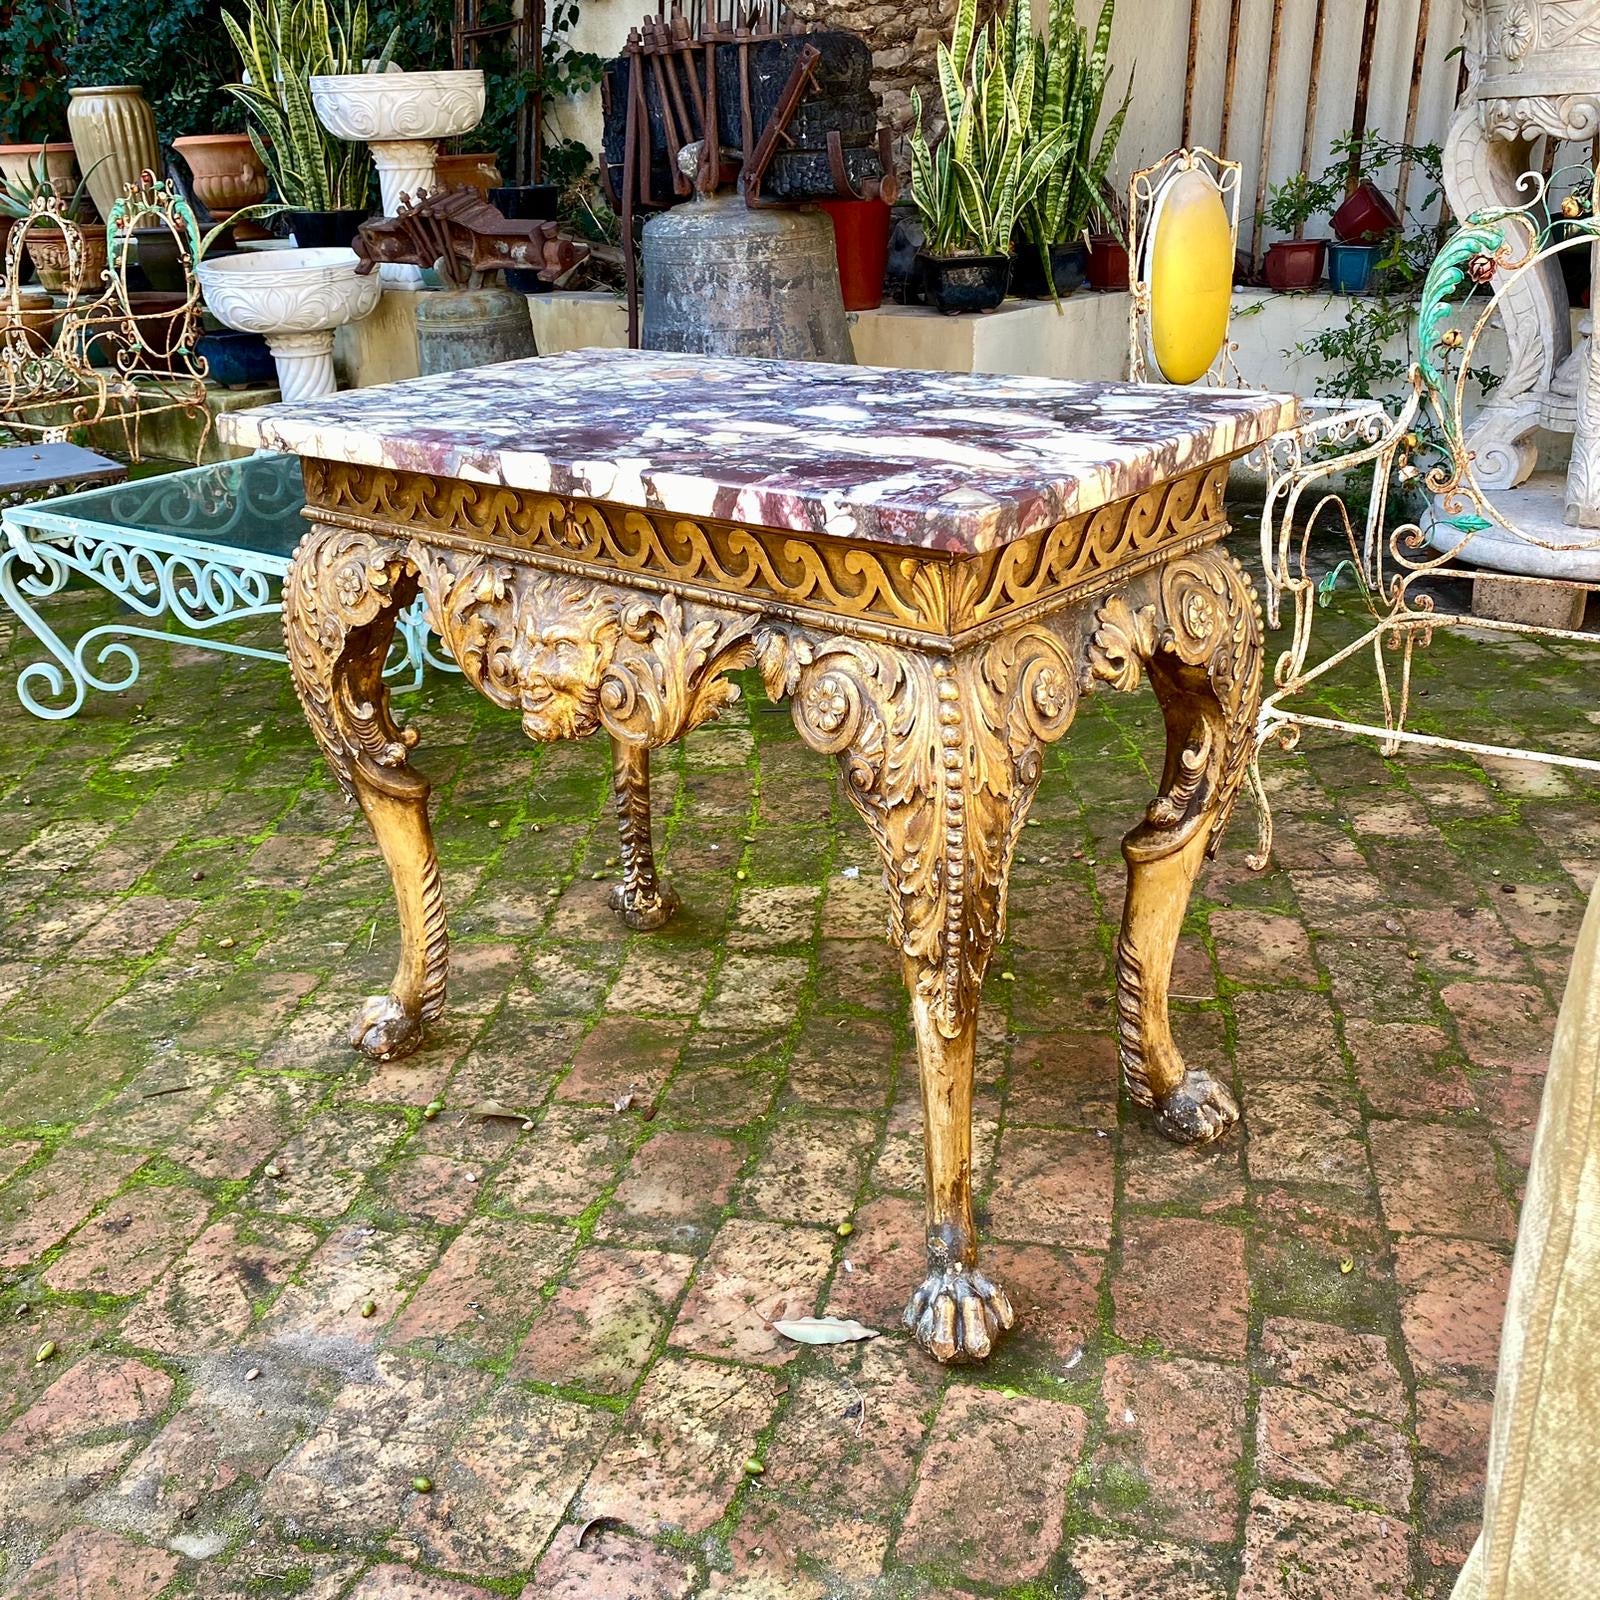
(563, 639)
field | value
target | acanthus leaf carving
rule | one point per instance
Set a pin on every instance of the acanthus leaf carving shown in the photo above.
(573, 656)
(941, 756)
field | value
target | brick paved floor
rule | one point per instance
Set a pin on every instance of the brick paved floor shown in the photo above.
(277, 1294)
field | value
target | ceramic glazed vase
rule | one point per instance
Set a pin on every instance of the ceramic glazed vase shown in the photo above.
(226, 171)
(113, 121)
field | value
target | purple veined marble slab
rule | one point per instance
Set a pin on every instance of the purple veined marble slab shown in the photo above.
(945, 461)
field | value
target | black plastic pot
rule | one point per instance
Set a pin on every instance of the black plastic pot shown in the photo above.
(954, 284)
(1069, 264)
(159, 259)
(527, 202)
(325, 230)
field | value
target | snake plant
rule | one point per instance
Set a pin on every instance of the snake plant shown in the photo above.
(1072, 71)
(987, 166)
(282, 44)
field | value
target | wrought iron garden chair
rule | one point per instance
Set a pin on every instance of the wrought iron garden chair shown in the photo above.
(1462, 532)
(97, 359)
(1336, 435)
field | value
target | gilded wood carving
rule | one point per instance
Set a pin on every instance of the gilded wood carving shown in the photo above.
(936, 682)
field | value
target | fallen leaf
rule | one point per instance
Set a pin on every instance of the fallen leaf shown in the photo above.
(493, 1108)
(824, 1330)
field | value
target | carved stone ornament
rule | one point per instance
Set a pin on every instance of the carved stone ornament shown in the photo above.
(936, 682)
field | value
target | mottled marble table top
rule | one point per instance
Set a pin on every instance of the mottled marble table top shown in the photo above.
(947, 461)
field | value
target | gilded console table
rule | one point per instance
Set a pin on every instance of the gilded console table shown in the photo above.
(931, 568)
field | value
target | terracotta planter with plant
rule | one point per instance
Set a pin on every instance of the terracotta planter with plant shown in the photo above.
(1295, 263)
(50, 222)
(1054, 225)
(60, 162)
(970, 187)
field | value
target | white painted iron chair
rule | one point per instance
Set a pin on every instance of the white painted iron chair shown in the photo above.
(1336, 435)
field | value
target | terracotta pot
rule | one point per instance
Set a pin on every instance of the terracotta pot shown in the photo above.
(113, 121)
(475, 169)
(18, 160)
(1294, 264)
(1107, 267)
(47, 250)
(861, 239)
(226, 171)
(162, 321)
(35, 316)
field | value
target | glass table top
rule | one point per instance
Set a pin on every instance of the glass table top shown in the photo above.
(252, 505)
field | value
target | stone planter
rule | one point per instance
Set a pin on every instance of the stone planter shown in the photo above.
(400, 117)
(112, 124)
(226, 171)
(48, 250)
(296, 298)
(17, 162)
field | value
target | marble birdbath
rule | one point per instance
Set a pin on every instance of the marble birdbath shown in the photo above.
(296, 299)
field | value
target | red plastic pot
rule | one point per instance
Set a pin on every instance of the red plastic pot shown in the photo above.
(1108, 262)
(861, 241)
(1295, 264)
(1365, 216)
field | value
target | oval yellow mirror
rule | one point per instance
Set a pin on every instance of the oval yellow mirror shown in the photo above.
(1189, 270)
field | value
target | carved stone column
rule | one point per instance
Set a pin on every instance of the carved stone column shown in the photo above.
(1535, 71)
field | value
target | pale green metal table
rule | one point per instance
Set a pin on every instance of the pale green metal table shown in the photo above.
(187, 553)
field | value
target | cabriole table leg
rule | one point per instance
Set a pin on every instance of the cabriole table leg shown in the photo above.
(941, 756)
(342, 598)
(1195, 630)
(641, 899)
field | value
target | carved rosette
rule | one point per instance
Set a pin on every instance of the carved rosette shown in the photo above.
(941, 756)
(1200, 628)
(572, 656)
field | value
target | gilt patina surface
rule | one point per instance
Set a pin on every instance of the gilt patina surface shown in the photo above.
(936, 668)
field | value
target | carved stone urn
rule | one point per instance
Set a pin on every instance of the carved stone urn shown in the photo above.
(1534, 71)
(295, 299)
(401, 116)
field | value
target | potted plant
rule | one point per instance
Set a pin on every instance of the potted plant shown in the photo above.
(1350, 266)
(969, 187)
(1107, 265)
(47, 241)
(1069, 89)
(60, 161)
(1295, 263)
(282, 44)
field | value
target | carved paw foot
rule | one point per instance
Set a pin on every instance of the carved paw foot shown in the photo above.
(383, 1031)
(1199, 1110)
(957, 1314)
(644, 909)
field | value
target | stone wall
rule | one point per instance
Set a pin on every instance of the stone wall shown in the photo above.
(904, 38)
